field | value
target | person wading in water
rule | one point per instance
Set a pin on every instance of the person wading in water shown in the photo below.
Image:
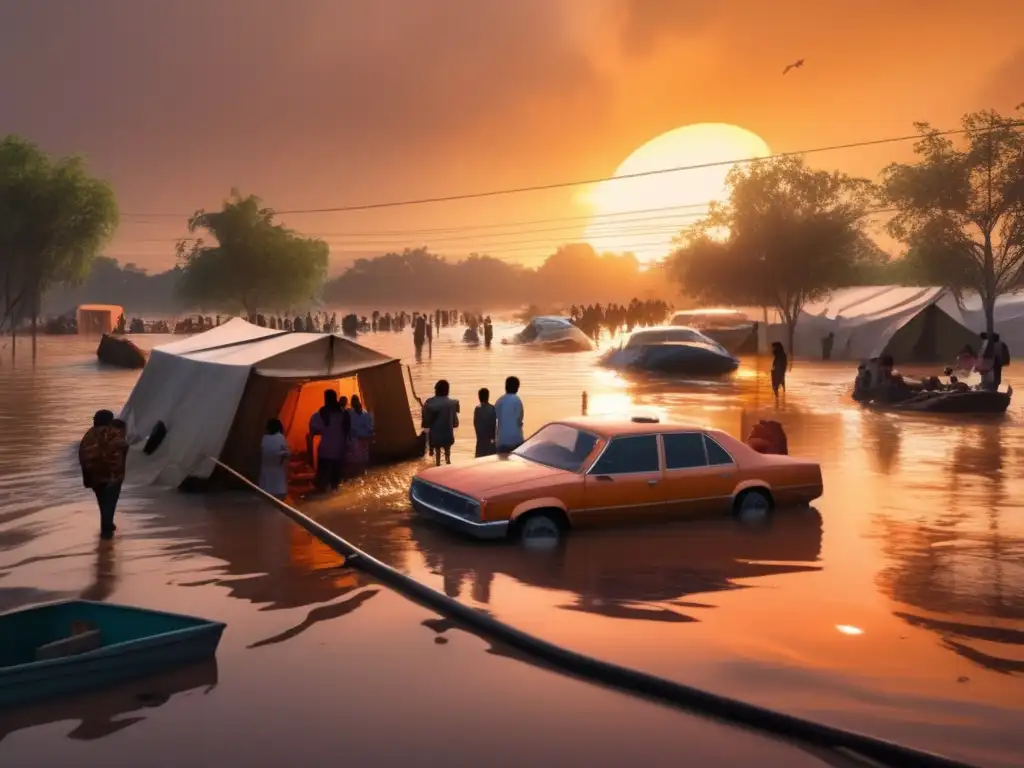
(441, 419)
(329, 424)
(101, 455)
(779, 365)
(485, 424)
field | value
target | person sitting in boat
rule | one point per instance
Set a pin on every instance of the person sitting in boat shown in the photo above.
(955, 385)
(862, 384)
(967, 358)
(892, 388)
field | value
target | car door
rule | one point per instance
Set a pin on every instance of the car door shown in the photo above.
(624, 484)
(700, 475)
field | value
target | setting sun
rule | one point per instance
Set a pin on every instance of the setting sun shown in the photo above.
(683, 195)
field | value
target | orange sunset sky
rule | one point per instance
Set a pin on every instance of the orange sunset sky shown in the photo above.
(327, 103)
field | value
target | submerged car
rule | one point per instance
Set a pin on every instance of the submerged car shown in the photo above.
(676, 350)
(732, 329)
(555, 334)
(592, 471)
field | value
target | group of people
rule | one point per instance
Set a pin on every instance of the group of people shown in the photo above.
(592, 318)
(498, 427)
(990, 360)
(345, 431)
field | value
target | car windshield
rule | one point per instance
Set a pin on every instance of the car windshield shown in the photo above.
(559, 446)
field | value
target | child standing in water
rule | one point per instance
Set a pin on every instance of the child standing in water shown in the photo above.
(441, 419)
(274, 454)
(485, 423)
(779, 364)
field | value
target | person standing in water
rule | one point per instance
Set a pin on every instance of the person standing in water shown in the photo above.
(827, 343)
(779, 364)
(101, 456)
(441, 419)
(329, 424)
(509, 411)
(360, 435)
(485, 424)
(274, 455)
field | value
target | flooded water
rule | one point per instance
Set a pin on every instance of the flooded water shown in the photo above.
(894, 607)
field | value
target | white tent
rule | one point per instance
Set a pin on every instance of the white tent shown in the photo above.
(1009, 318)
(910, 323)
(215, 391)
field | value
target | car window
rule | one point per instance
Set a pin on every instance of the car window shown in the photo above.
(559, 446)
(717, 455)
(684, 450)
(629, 454)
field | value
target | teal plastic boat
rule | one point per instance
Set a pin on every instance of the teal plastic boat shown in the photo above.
(74, 645)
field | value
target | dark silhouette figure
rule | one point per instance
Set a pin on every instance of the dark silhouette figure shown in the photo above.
(795, 65)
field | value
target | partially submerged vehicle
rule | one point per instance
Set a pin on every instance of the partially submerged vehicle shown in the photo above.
(731, 328)
(675, 350)
(554, 334)
(591, 471)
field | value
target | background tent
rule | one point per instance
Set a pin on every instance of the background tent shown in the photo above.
(1009, 317)
(216, 390)
(913, 324)
(96, 319)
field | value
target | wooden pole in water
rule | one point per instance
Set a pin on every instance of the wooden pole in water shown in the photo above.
(583, 404)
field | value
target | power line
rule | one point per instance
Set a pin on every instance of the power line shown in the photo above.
(586, 182)
(603, 230)
(493, 225)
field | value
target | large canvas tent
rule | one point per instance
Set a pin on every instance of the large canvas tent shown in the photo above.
(215, 391)
(1008, 315)
(913, 324)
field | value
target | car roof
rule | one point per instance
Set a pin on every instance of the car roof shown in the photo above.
(615, 426)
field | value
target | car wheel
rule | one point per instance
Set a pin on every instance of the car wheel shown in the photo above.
(753, 506)
(541, 531)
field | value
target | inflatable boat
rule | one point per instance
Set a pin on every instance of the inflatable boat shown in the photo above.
(552, 334)
(672, 350)
(974, 401)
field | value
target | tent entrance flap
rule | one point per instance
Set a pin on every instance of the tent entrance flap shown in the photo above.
(305, 399)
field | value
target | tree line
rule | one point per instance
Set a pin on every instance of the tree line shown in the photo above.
(786, 235)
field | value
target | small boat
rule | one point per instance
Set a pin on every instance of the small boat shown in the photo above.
(552, 334)
(673, 350)
(976, 401)
(69, 646)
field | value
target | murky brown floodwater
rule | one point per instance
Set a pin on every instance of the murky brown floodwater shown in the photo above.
(918, 544)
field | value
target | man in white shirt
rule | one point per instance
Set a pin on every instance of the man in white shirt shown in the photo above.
(509, 410)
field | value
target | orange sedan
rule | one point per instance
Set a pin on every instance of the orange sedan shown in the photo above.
(592, 471)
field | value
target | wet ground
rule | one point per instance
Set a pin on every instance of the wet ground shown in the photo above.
(895, 607)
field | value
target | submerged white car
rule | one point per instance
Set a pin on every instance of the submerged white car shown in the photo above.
(555, 334)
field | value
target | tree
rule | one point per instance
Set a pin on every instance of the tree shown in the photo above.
(786, 236)
(54, 219)
(961, 210)
(255, 265)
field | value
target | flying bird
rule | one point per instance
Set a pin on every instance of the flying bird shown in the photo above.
(795, 65)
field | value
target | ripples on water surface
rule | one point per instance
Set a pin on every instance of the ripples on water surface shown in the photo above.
(895, 606)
